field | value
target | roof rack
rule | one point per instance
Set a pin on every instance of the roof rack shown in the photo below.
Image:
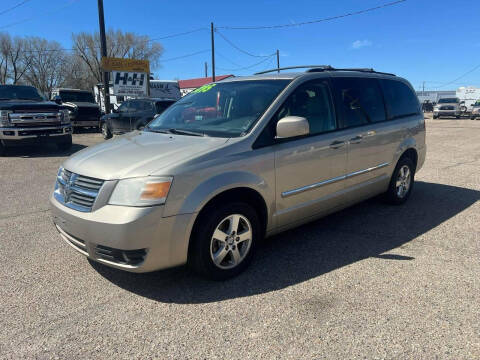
(295, 67)
(320, 68)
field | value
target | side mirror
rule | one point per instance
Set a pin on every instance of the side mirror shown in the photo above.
(57, 99)
(292, 126)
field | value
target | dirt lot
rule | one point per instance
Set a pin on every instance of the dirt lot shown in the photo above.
(373, 281)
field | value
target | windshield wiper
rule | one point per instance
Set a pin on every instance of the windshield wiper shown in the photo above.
(185, 132)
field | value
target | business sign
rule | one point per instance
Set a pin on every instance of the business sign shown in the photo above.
(119, 64)
(126, 83)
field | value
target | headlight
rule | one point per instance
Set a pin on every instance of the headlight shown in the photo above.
(65, 116)
(144, 191)
(4, 120)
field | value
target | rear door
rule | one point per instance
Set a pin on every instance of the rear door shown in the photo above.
(309, 170)
(372, 139)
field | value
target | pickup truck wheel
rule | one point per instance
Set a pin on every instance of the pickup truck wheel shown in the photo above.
(401, 183)
(2, 149)
(224, 240)
(65, 145)
(107, 134)
(435, 116)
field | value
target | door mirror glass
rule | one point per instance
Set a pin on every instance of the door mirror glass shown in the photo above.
(57, 99)
(292, 126)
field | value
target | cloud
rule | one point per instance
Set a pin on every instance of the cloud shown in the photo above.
(358, 44)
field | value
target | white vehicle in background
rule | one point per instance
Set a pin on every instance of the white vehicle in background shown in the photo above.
(159, 89)
(468, 96)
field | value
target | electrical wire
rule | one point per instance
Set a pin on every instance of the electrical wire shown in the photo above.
(177, 34)
(14, 7)
(43, 14)
(460, 77)
(239, 49)
(246, 67)
(185, 56)
(312, 21)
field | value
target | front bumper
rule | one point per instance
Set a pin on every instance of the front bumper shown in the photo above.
(84, 123)
(446, 112)
(124, 229)
(31, 134)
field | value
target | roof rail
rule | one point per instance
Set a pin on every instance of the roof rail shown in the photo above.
(295, 67)
(320, 68)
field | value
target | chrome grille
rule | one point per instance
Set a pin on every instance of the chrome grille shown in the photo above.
(77, 191)
(35, 118)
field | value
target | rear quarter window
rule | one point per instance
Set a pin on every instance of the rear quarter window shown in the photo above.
(400, 99)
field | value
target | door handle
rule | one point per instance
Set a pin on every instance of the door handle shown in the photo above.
(337, 144)
(357, 139)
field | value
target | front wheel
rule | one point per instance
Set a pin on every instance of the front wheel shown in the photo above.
(224, 240)
(435, 116)
(401, 183)
(107, 134)
(2, 149)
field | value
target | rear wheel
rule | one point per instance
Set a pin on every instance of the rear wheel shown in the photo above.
(401, 183)
(107, 134)
(435, 116)
(66, 144)
(224, 239)
(2, 149)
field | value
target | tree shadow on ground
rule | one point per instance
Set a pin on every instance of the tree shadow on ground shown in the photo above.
(368, 229)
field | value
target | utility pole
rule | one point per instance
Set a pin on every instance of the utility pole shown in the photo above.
(278, 61)
(103, 44)
(212, 30)
(423, 90)
(206, 69)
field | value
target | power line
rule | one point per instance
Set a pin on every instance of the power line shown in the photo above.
(249, 66)
(185, 56)
(460, 77)
(14, 7)
(226, 58)
(239, 49)
(43, 14)
(312, 21)
(178, 34)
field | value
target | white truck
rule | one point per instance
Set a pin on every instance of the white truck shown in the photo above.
(468, 96)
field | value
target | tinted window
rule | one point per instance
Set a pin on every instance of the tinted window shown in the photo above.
(76, 96)
(312, 101)
(400, 99)
(17, 92)
(160, 106)
(360, 100)
(125, 107)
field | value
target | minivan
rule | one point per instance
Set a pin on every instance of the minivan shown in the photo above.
(239, 160)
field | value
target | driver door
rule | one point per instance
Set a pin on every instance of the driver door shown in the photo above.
(121, 122)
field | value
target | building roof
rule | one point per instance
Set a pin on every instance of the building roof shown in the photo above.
(195, 83)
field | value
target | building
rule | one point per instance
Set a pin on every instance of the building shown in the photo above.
(433, 96)
(191, 84)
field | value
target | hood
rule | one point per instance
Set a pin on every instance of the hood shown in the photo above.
(138, 154)
(80, 104)
(28, 105)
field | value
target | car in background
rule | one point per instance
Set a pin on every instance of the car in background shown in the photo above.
(81, 106)
(133, 114)
(475, 110)
(447, 107)
(26, 119)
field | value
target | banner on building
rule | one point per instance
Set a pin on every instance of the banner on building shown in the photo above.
(126, 83)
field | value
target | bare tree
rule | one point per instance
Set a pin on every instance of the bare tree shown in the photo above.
(46, 69)
(119, 44)
(14, 59)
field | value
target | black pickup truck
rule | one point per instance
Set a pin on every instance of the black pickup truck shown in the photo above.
(81, 106)
(27, 118)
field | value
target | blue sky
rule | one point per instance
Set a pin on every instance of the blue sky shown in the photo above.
(432, 41)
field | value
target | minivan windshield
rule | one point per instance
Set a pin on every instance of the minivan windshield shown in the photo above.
(223, 109)
(19, 92)
(76, 96)
(448, 100)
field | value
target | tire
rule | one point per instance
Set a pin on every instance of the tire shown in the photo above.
(457, 117)
(472, 117)
(397, 196)
(2, 149)
(107, 134)
(435, 116)
(65, 145)
(236, 254)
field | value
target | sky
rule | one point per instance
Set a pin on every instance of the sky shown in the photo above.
(431, 41)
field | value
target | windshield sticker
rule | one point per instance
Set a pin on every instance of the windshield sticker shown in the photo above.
(204, 88)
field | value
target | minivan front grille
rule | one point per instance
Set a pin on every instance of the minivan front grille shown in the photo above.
(447, 107)
(77, 191)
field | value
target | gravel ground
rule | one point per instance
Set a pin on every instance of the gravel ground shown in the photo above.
(370, 282)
